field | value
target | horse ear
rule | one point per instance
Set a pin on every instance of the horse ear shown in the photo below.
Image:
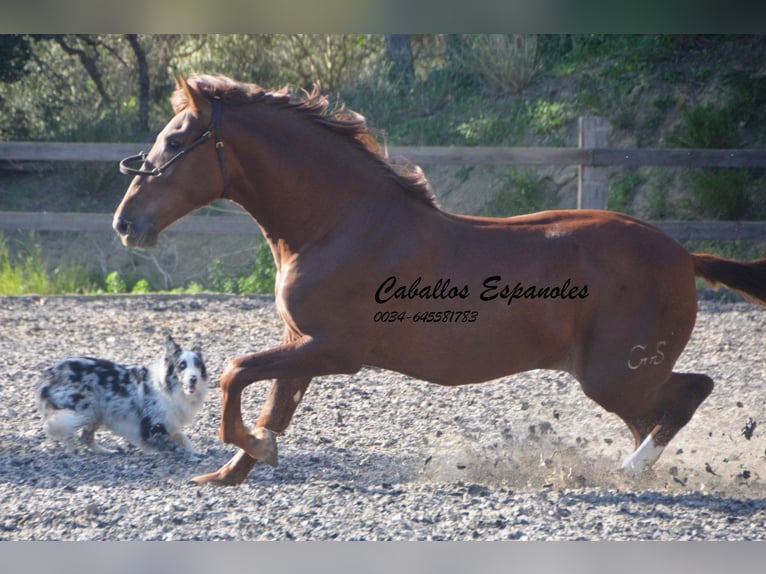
(194, 100)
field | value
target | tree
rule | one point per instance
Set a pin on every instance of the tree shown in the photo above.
(15, 51)
(86, 48)
(143, 82)
(399, 52)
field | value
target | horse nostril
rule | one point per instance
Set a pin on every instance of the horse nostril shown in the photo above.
(121, 226)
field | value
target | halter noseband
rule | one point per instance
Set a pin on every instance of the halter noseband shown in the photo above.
(213, 129)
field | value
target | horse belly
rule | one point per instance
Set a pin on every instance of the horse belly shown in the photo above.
(463, 353)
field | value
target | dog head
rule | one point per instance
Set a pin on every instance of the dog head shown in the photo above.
(186, 367)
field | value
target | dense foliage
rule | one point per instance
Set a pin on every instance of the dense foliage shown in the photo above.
(472, 87)
(513, 90)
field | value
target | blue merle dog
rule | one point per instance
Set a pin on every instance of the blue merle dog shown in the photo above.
(135, 402)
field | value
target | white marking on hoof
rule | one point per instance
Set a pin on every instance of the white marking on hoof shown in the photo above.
(297, 397)
(643, 457)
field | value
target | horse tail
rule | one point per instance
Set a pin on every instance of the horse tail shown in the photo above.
(748, 278)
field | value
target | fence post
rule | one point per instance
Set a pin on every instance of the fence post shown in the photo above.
(592, 182)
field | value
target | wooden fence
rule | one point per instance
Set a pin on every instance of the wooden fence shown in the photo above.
(593, 158)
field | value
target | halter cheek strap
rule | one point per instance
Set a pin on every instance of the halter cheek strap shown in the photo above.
(213, 129)
(216, 125)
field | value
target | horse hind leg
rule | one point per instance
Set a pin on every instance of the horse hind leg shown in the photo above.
(677, 401)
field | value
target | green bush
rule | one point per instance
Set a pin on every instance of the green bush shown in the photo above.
(520, 194)
(115, 284)
(719, 193)
(141, 286)
(507, 63)
(259, 281)
(262, 279)
(26, 272)
(706, 127)
(658, 204)
(622, 192)
(713, 193)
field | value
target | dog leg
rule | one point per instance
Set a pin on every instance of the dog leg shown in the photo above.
(183, 441)
(70, 445)
(89, 438)
(146, 448)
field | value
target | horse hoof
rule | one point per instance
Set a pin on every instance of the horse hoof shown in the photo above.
(643, 457)
(267, 446)
(215, 478)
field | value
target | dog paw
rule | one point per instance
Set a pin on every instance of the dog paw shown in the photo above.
(98, 449)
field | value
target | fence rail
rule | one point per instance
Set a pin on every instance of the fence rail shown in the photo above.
(244, 225)
(593, 156)
(431, 155)
(47, 221)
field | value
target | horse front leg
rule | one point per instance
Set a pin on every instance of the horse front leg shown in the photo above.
(260, 443)
(231, 473)
(284, 397)
(292, 364)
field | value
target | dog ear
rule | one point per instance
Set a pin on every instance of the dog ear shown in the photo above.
(171, 347)
(197, 349)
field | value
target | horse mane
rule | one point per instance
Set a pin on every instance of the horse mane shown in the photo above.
(316, 107)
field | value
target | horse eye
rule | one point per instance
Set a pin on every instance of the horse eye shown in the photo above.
(172, 145)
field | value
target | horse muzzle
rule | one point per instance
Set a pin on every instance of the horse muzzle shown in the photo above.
(134, 234)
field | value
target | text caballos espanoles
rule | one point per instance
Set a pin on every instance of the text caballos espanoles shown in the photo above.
(492, 288)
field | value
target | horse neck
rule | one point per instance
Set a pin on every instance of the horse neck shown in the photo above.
(300, 181)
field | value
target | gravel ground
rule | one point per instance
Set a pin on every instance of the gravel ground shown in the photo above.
(376, 455)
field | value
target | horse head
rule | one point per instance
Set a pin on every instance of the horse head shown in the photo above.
(168, 185)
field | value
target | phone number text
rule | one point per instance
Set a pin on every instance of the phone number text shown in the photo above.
(426, 317)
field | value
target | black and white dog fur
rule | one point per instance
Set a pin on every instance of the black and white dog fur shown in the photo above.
(135, 402)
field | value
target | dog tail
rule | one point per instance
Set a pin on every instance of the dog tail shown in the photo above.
(59, 422)
(62, 424)
(45, 402)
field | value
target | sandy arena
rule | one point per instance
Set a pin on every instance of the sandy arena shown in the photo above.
(377, 455)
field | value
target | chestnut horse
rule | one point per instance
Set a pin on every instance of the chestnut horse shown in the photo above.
(371, 272)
